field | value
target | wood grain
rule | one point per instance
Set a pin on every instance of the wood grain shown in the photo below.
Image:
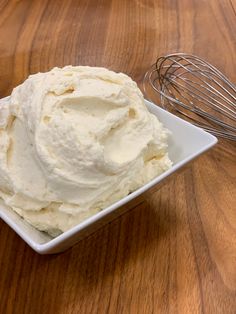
(176, 251)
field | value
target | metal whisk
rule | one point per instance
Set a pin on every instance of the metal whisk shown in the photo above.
(194, 89)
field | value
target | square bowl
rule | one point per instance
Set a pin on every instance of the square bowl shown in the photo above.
(186, 143)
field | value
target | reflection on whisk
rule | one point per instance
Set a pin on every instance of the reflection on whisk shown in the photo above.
(194, 89)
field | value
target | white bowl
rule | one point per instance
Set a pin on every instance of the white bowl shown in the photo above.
(186, 143)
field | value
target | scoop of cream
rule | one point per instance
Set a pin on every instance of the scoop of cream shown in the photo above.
(73, 141)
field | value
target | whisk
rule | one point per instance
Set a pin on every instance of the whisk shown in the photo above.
(194, 89)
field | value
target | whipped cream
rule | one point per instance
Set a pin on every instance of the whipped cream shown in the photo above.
(73, 141)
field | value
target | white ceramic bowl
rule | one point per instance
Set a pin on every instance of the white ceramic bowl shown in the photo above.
(186, 143)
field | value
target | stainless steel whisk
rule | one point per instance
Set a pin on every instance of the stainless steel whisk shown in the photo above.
(194, 89)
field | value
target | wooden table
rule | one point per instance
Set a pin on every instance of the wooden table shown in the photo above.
(176, 251)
